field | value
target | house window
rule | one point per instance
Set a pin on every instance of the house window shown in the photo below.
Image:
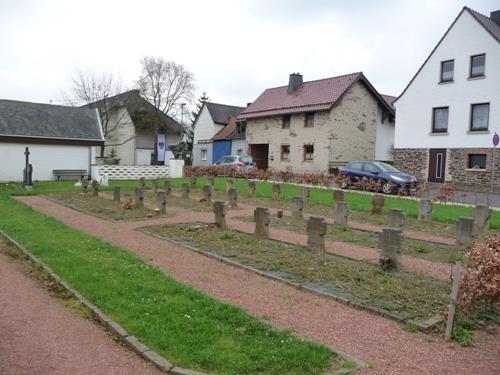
(286, 121)
(308, 152)
(285, 152)
(477, 64)
(204, 154)
(440, 120)
(309, 120)
(239, 152)
(241, 128)
(476, 161)
(447, 70)
(479, 117)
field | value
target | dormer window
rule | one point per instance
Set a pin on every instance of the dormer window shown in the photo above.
(477, 64)
(447, 68)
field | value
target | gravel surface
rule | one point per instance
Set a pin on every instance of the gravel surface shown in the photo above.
(41, 335)
(379, 341)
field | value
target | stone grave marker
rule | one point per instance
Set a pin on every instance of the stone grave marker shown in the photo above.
(167, 187)
(482, 215)
(117, 194)
(95, 188)
(185, 190)
(464, 231)
(220, 214)
(340, 213)
(139, 197)
(232, 197)
(316, 231)
(276, 191)
(154, 185)
(305, 194)
(424, 209)
(338, 196)
(298, 207)
(192, 182)
(161, 202)
(390, 243)
(396, 218)
(251, 189)
(85, 185)
(261, 216)
(210, 180)
(378, 204)
(142, 183)
(229, 184)
(207, 193)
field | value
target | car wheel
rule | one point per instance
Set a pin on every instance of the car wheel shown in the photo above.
(387, 187)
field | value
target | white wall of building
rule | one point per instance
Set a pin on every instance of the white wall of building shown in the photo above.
(124, 135)
(205, 128)
(414, 109)
(384, 141)
(44, 158)
(239, 145)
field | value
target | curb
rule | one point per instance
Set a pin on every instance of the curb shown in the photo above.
(131, 341)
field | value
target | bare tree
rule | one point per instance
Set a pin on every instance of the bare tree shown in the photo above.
(99, 91)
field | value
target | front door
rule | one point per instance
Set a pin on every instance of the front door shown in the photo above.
(260, 155)
(437, 163)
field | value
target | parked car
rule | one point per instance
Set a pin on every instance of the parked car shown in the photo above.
(392, 179)
(236, 161)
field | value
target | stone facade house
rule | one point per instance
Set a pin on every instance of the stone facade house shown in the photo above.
(450, 110)
(212, 119)
(317, 126)
(131, 133)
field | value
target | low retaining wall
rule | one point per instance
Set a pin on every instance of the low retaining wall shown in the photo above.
(174, 169)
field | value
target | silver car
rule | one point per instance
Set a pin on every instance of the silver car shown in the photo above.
(236, 161)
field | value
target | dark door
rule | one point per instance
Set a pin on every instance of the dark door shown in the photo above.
(437, 163)
(260, 155)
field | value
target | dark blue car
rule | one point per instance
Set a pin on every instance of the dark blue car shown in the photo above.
(392, 179)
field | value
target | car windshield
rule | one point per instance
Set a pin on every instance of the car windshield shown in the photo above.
(247, 160)
(387, 167)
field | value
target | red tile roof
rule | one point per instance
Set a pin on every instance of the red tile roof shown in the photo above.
(316, 95)
(226, 131)
(389, 99)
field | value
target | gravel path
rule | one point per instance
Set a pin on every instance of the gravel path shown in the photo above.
(380, 341)
(40, 335)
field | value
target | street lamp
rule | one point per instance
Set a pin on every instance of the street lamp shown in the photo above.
(182, 121)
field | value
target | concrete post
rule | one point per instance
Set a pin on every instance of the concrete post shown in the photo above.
(95, 188)
(251, 189)
(207, 193)
(154, 185)
(232, 197)
(390, 243)
(261, 216)
(482, 215)
(464, 231)
(229, 184)
(340, 214)
(116, 194)
(396, 218)
(210, 180)
(276, 191)
(220, 214)
(185, 190)
(142, 183)
(192, 182)
(167, 186)
(378, 204)
(139, 198)
(316, 230)
(298, 207)
(338, 196)
(305, 194)
(424, 209)
(161, 202)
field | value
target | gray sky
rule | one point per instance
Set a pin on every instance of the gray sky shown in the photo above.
(235, 49)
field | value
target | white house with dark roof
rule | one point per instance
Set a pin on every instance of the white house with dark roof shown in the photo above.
(58, 138)
(450, 110)
(320, 125)
(212, 119)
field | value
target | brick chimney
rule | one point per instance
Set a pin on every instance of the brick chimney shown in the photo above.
(495, 16)
(294, 82)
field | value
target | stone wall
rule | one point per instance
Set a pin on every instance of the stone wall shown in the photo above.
(460, 173)
(414, 161)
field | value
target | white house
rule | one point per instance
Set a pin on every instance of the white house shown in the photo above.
(212, 118)
(58, 138)
(131, 136)
(447, 115)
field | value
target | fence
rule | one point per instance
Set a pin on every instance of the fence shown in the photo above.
(133, 172)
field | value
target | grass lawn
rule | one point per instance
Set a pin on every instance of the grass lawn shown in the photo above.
(188, 327)
(407, 294)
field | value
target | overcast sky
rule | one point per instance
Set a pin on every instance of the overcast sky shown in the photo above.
(235, 49)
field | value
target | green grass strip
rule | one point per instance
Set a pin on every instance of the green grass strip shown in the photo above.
(186, 326)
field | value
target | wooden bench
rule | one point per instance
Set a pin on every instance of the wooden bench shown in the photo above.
(79, 173)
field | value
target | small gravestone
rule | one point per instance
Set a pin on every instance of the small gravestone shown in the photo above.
(116, 194)
(85, 185)
(95, 188)
(424, 209)
(276, 191)
(139, 197)
(464, 231)
(482, 215)
(396, 218)
(229, 184)
(207, 193)
(220, 214)
(305, 194)
(340, 213)
(161, 202)
(378, 204)
(192, 182)
(167, 186)
(142, 183)
(261, 216)
(185, 190)
(316, 231)
(338, 196)
(298, 208)
(251, 189)
(390, 243)
(232, 197)
(154, 185)
(210, 180)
